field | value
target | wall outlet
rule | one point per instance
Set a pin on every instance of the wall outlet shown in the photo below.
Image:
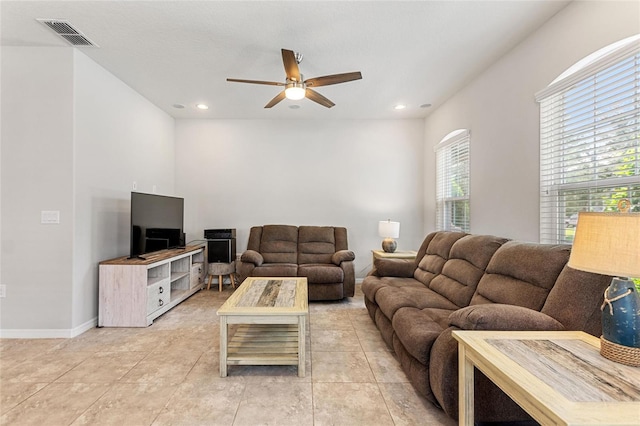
(3, 290)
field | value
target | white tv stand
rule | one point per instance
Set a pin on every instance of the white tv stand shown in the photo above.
(134, 292)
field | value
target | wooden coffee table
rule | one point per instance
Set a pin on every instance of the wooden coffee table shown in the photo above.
(558, 377)
(272, 314)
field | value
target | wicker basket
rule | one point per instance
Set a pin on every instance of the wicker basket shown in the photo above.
(622, 354)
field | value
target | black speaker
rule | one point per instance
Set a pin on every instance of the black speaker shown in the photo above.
(221, 250)
(219, 234)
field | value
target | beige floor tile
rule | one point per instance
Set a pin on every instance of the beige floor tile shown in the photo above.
(335, 341)
(408, 408)
(385, 367)
(103, 367)
(169, 373)
(163, 367)
(208, 404)
(207, 370)
(341, 367)
(349, 404)
(330, 320)
(276, 404)
(371, 341)
(56, 404)
(127, 404)
(45, 367)
(12, 394)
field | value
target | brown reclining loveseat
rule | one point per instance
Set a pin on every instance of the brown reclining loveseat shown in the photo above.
(319, 253)
(475, 282)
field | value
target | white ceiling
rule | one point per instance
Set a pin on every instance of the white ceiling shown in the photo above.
(172, 52)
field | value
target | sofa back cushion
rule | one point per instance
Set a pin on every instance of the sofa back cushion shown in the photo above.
(279, 244)
(575, 300)
(435, 255)
(461, 273)
(521, 274)
(316, 244)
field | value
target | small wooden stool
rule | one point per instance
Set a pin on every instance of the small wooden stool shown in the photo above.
(222, 269)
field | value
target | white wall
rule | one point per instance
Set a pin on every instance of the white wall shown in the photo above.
(120, 138)
(74, 138)
(37, 174)
(352, 173)
(500, 110)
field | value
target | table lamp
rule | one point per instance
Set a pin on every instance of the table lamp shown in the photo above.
(389, 230)
(609, 244)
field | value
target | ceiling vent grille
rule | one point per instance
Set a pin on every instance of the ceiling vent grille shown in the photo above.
(67, 31)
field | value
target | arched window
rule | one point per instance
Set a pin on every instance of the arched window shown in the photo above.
(590, 139)
(452, 182)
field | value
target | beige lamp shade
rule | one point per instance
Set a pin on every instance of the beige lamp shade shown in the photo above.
(607, 243)
(388, 229)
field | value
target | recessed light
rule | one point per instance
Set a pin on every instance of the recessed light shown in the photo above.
(178, 106)
(425, 105)
(294, 106)
(202, 106)
(400, 106)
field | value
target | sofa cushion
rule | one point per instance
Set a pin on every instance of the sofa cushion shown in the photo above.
(316, 244)
(417, 329)
(391, 299)
(521, 274)
(275, 270)
(437, 253)
(394, 267)
(371, 284)
(496, 316)
(321, 274)
(468, 258)
(279, 244)
(585, 291)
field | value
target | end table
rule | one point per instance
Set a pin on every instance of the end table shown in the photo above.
(222, 269)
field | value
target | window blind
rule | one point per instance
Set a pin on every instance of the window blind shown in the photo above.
(590, 143)
(452, 183)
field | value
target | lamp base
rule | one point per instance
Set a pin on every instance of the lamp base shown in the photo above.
(621, 354)
(389, 245)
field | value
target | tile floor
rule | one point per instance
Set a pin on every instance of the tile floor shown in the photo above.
(167, 374)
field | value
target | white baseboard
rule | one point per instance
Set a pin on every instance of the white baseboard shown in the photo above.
(48, 333)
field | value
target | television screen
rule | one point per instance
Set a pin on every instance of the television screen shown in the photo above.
(156, 223)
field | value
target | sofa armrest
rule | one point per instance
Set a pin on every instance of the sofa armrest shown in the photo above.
(252, 256)
(402, 268)
(496, 316)
(342, 256)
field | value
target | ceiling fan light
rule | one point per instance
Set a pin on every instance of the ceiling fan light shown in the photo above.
(295, 91)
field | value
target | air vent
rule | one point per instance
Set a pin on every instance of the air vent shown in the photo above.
(67, 31)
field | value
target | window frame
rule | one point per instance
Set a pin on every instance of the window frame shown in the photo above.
(601, 138)
(455, 146)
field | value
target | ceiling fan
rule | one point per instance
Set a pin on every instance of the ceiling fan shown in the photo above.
(295, 87)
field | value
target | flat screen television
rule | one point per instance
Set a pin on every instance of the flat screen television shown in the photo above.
(156, 223)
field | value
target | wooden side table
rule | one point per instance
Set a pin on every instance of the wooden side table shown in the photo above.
(558, 377)
(381, 254)
(222, 269)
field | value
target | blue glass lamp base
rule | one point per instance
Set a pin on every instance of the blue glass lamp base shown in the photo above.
(621, 321)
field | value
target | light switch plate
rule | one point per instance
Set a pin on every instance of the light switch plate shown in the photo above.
(50, 216)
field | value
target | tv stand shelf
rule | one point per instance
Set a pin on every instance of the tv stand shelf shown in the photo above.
(134, 292)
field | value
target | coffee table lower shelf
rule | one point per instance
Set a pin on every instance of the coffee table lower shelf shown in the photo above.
(264, 344)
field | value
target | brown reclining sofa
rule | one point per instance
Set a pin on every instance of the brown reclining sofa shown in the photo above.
(475, 282)
(319, 253)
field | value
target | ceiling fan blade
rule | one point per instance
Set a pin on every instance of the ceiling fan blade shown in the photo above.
(280, 96)
(291, 65)
(270, 83)
(328, 80)
(317, 97)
